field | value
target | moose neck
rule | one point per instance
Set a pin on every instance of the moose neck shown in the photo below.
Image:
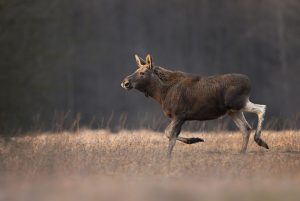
(156, 90)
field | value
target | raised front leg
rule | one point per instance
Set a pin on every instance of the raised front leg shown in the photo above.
(172, 132)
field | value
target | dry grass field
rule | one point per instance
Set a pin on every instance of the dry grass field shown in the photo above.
(132, 165)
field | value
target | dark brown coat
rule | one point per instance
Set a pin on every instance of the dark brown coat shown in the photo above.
(184, 96)
(191, 97)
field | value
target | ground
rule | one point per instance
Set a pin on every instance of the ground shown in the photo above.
(132, 165)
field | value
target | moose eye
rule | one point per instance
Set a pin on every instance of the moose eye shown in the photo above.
(142, 73)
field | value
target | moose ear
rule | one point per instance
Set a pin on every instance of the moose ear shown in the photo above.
(149, 61)
(139, 61)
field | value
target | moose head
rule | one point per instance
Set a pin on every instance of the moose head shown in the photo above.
(143, 78)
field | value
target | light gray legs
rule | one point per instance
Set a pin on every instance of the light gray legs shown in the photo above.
(174, 128)
(240, 121)
(259, 110)
(172, 132)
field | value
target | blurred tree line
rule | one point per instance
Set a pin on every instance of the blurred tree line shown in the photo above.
(62, 61)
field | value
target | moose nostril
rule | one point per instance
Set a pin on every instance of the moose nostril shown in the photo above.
(126, 84)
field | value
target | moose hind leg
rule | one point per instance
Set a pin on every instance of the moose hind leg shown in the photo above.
(172, 132)
(260, 111)
(240, 121)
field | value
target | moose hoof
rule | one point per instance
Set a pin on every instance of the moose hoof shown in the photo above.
(194, 140)
(261, 143)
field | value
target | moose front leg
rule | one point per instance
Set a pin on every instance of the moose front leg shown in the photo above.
(172, 132)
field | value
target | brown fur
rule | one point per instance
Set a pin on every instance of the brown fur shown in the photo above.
(184, 96)
(191, 97)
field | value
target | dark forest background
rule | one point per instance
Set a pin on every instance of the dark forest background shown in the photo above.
(62, 61)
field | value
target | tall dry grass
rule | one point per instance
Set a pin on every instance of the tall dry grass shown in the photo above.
(132, 165)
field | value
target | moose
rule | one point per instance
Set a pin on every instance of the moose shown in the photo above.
(185, 97)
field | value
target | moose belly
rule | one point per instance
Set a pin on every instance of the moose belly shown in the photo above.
(196, 112)
(205, 110)
(205, 114)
